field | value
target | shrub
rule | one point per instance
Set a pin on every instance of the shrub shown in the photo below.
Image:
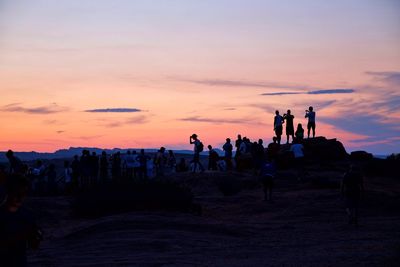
(134, 196)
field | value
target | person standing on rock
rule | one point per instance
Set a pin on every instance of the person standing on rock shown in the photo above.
(278, 122)
(288, 117)
(351, 188)
(310, 114)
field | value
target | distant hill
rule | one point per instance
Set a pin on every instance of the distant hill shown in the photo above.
(72, 151)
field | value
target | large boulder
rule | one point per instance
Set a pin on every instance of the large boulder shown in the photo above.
(325, 149)
(361, 156)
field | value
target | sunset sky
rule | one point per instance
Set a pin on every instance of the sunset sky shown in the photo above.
(143, 73)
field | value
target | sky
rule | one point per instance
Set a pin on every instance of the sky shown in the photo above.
(149, 73)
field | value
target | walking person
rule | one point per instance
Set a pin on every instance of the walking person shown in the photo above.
(213, 158)
(288, 117)
(278, 126)
(351, 188)
(267, 175)
(310, 114)
(298, 153)
(198, 147)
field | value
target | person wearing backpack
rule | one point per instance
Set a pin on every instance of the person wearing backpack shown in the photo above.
(198, 147)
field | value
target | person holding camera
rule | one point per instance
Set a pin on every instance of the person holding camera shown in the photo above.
(288, 117)
(310, 114)
(198, 147)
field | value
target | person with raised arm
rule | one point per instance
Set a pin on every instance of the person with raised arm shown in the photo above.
(310, 114)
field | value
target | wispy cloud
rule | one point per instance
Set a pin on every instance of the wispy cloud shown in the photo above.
(365, 124)
(114, 110)
(137, 120)
(220, 120)
(130, 121)
(246, 83)
(389, 77)
(331, 91)
(282, 93)
(41, 110)
(60, 132)
(316, 92)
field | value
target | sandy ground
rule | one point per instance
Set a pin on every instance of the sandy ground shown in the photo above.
(303, 226)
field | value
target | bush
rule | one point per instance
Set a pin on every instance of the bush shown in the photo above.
(134, 196)
(229, 186)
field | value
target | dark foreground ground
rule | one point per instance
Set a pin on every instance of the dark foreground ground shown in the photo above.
(304, 226)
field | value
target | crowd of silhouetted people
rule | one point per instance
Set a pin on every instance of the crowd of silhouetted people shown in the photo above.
(90, 169)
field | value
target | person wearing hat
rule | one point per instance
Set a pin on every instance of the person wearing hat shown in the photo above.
(198, 147)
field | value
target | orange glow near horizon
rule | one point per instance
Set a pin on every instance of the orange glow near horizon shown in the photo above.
(196, 68)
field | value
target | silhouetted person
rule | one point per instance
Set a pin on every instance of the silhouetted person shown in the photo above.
(288, 117)
(129, 163)
(213, 158)
(238, 142)
(298, 153)
(228, 153)
(142, 158)
(94, 168)
(52, 179)
(159, 162)
(310, 114)
(278, 126)
(38, 174)
(171, 160)
(198, 148)
(258, 154)
(76, 172)
(273, 149)
(116, 167)
(18, 229)
(136, 164)
(16, 165)
(299, 132)
(103, 167)
(267, 174)
(67, 178)
(85, 168)
(351, 188)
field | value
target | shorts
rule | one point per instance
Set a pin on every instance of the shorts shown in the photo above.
(278, 130)
(311, 125)
(289, 130)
